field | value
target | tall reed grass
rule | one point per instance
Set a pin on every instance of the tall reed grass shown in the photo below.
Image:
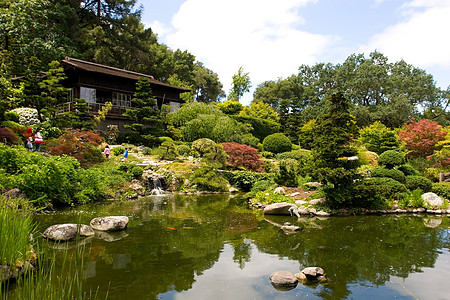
(58, 274)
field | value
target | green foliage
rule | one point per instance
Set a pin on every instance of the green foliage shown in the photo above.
(391, 159)
(203, 146)
(137, 172)
(441, 189)
(260, 127)
(301, 156)
(407, 169)
(208, 179)
(414, 182)
(286, 176)
(306, 135)
(230, 107)
(191, 111)
(368, 191)
(378, 138)
(167, 150)
(117, 151)
(260, 186)
(12, 116)
(241, 85)
(277, 143)
(261, 111)
(245, 180)
(183, 150)
(391, 173)
(270, 198)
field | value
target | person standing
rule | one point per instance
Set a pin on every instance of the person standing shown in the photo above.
(38, 140)
(107, 151)
(125, 154)
(29, 143)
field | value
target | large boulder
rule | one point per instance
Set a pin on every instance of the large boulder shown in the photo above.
(311, 275)
(112, 223)
(432, 200)
(281, 208)
(283, 280)
(65, 232)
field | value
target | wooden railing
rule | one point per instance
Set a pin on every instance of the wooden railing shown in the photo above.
(115, 111)
(444, 177)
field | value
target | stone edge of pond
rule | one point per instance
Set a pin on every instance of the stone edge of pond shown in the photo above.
(361, 211)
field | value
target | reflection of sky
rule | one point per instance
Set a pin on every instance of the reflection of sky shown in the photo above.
(435, 281)
(225, 280)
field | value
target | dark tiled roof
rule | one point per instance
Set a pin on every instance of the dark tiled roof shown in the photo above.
(98, 68)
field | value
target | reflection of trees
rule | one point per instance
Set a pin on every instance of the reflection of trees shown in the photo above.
(357, 248)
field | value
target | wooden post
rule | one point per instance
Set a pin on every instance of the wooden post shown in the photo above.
(441, 176)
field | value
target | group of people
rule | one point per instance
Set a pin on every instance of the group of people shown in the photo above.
(107, 153)
(35, 138)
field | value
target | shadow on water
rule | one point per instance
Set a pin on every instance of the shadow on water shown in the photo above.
(197, 247)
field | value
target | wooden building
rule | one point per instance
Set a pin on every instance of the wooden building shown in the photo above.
(98, 84)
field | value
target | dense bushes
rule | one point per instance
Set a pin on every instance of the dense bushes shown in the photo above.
(391, 173)
(245, 180)
(277, 143)
(391, 158)
(372, 189)
(418, 182)
(442, 189)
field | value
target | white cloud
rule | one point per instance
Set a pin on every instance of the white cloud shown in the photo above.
(421, 38)
(260, 35)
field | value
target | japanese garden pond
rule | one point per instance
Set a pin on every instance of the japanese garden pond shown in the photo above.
(215, 247)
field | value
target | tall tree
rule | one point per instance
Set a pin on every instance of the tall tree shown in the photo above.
(241, 85)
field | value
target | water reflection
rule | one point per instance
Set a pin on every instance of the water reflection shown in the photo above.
(211, 246)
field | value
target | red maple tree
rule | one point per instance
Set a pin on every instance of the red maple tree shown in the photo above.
(421, 137)
(243, 156)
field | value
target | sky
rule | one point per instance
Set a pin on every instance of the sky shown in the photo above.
(271, 39)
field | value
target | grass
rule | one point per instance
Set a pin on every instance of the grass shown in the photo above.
(54, 277)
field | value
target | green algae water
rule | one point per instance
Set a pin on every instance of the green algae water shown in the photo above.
(215, 247)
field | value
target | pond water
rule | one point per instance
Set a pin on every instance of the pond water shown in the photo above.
(215, 247)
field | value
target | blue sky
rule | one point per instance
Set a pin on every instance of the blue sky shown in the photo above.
(271, 39)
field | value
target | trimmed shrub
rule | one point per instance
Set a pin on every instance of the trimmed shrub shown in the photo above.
(12, 116)
(391, 158)
(245, 180)
(208, 179)
(441, 189)
(203, 146)
(383, 186)
(407, 169)
(137, 172)
(414, 182)
(184, 150)
(277, 143)
(286, 176)
(117, 151)
(391, 173)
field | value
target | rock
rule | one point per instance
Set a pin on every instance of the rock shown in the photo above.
(294, 194)
(313, 184)
(281, 208)
(136, 187)
(233, 190)
(432, 223)
(432, 200)
(300, 202)
(112, 223)
(65, 232)
(111, 236)
(322, 213)
(313, 211)
(303, 211)
(290, 228)
(312, 273)
(395, 206)
(279, 190)
(421, 210)
(14, 193)
(317, 201)
(283, 280)
(300, 276)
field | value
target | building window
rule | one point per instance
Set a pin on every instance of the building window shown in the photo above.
(174, 106)
(88, 94)
(122, 100)
(71, 95)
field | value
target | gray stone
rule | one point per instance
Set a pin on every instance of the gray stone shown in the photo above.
(281, 208)
(322, 213)
(313, 272)
(290, 228)
(317, 201)
(284, 279)
(294, 194)
(301, 202)
(65, 232)
(432, 200)
(233, 190)
(112, 223)
(303, 211)
(279, 190)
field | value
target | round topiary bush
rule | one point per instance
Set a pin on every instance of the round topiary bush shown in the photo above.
(391, 158)
(383, 186)
(391, 173)
(277, 143)
(137, 172)
(407, 169)
(203, 145)
(414, 182)
(117, 151)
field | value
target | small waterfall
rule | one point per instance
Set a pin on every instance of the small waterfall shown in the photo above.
(157, 187)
